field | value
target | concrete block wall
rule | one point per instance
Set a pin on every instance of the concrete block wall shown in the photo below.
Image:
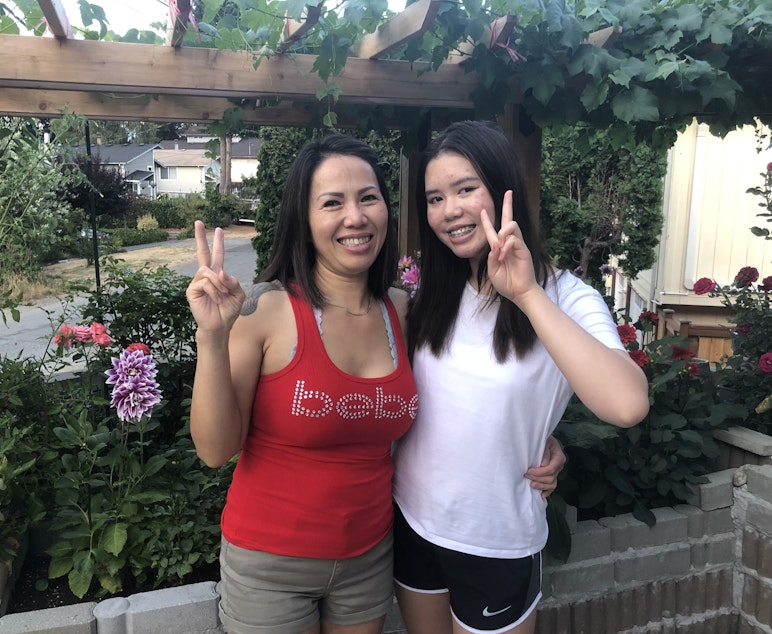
(625, 578)
(704, 568)
(753, 573)
(740, 446)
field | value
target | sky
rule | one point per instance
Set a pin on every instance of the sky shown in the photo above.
(123, 14)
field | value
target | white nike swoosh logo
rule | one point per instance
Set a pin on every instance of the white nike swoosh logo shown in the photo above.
(487, 612)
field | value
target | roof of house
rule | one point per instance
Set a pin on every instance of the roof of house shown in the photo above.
(242, 148)
(139, 176)
(116, 153)
(182, 158)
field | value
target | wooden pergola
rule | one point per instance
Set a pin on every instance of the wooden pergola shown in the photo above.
(41, 76)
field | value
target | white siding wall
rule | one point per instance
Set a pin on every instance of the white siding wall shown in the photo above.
(708, 216)
(189, 180)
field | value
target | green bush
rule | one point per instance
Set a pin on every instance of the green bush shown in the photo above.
(132, 237)
(147, 223)
(169, 212)
(612, 471)
(130, 502)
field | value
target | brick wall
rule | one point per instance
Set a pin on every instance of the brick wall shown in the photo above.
(703, 568)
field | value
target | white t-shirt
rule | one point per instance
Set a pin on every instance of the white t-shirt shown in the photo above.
(481, 424)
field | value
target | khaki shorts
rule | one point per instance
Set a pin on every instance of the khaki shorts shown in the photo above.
(261, 592)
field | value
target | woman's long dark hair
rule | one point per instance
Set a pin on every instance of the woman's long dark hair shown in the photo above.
(293, 255)
(434, 309)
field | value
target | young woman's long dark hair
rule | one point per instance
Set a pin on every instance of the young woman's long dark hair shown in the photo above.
(434, 309)
(293, 255)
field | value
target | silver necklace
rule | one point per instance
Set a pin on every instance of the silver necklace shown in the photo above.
(352, 313)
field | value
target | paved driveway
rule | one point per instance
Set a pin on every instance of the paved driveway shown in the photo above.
(30, 336)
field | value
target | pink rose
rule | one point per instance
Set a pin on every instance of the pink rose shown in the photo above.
(82, 334)
(704, 285)
(64, 336)
(99, 334)
(765, 363)
(138, 346)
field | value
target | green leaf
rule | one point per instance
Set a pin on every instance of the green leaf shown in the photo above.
(114, 538)
(58, 567)
(79, 582)
(619, 480)
(112, 584)
(640, 512)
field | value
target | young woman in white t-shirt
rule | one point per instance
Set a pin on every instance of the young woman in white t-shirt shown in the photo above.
(500, 341)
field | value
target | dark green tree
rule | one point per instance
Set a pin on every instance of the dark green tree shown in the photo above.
(112, 197)
(599, 200)
(277, 151)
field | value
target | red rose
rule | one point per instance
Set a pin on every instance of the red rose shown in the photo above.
(138, 346)
(765, 363)
(648, 316)
(766, 283)
(703, 285)
(769, 167)
(693, 369)
(746, 276)
(681, 353)
(627, 334)
(640, 357)
(743, 329)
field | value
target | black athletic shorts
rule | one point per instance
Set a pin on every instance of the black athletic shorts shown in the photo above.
(485, 593)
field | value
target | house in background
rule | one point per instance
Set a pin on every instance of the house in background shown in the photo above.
(133, 161)
(707, 219)
(243, 159)
(183, 171)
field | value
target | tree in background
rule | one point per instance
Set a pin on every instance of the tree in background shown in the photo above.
(278, 149)
(111, 194)
(598, 200)
(34, 220)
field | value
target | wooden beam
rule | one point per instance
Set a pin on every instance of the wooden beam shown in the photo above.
(56, 18)
(25, 102)
(119, 67)
(294, 30)
(411, 22)
(604, 38)
(179, 12)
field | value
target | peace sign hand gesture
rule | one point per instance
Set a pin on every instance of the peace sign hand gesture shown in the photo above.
(214, 297)
(510, 266)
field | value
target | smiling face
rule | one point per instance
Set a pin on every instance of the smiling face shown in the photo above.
(455, 195)
(347, 216)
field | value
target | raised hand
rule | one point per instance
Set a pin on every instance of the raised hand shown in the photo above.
(510, 266)
(214, 297)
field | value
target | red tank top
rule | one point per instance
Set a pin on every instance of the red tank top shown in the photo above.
(314, 475)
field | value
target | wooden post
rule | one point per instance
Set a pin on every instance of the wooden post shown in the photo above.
(408, 176)
(525, 136)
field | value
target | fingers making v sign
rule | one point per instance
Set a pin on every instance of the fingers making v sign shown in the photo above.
(215, 298)
(510, 266)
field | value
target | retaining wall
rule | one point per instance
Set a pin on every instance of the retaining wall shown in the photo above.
(704, 568)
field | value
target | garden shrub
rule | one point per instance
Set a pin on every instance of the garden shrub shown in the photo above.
(147, 223)
(132, 237)
(131, 504)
